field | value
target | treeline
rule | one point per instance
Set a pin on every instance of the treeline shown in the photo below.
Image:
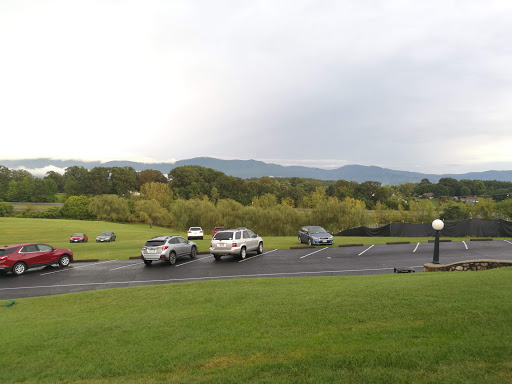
(155, 206)
(193, 195)
(192, 181)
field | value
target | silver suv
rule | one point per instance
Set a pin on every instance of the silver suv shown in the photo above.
(236, 241)
(167, 248)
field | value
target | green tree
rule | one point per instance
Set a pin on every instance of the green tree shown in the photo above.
(5, 178)
(124, 180)
(454, 212)
(266, 201)
(5, 209)
(150, 176)
(97, 182)
(157, 191)
(110, 208)
(77, 208)
(152, 213)
(57, 178)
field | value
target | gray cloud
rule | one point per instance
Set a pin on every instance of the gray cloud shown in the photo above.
(410, 85)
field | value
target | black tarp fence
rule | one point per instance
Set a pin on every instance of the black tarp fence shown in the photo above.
(463, 228)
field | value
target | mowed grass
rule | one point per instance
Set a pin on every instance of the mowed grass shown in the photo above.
(405, 328)
(131, 237)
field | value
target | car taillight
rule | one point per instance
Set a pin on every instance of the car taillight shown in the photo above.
(3, 258)
(234, 245)
(211, 245)
(163, 248)
(144, 248)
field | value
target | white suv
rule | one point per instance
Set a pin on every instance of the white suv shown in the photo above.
(236, 241)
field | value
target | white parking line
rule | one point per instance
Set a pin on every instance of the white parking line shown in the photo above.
(261, 254)
(506, 241)
(312, 253)
(367, 249)
(82, 266)
(463, 242)
(417, 245)
(200, 278)
(193, 261)
(126, 266)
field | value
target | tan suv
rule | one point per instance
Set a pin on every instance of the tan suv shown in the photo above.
(236, 241)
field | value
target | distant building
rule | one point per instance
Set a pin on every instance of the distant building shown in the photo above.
(469, 199)
(429, 195)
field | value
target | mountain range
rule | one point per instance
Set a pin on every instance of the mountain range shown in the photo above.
(253, 168)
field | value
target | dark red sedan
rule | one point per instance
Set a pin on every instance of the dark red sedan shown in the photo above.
(18, 258)
(79, 238)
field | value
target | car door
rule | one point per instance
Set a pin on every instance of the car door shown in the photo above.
(183, 246)
(254, 239)
(31, 255)
(249, 243)
(48, 254)
(304, 235)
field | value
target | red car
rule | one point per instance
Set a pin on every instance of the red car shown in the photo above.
(18, 258)
(217, 229)
(78, 238)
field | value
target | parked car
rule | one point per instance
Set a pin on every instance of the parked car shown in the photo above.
(217, 229)
(236, 241)
(195, 233)
(79, 238)
(106, 237)
(18, 258)
(314, 235)
(167, 248)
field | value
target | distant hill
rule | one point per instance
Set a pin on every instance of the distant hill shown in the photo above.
(253, 168)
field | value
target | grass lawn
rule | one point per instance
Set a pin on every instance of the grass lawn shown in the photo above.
(131, 237)
(410, 328)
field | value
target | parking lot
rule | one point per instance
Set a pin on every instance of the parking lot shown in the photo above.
(318, 261)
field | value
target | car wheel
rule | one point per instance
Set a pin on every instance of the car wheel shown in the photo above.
(243, 253)
(300, 241)
(19, 268)
(148, 262)
(172, 258)
(64, 260)
(310, 243)
(260, 248)
(193, 253)
(217, 257)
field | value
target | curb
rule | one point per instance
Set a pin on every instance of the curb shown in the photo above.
(86, 261)
(350, 245)
(481, 239)
(441, 241)
(398, 242)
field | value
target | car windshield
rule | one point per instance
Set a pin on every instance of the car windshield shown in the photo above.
(223, 236)
(78, 235)
(104, 234)
(154, 243)
(195, 229)
(317, 230)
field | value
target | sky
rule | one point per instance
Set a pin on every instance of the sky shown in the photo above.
(422, 86)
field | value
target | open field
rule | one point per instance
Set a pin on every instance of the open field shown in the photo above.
(131, 237)
(416, 328)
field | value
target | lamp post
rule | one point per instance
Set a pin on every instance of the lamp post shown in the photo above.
(437, 225)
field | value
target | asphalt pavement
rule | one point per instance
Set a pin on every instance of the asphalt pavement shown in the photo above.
(317, 261)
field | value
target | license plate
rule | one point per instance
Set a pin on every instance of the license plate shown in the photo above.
(222, 245)
(324, 241)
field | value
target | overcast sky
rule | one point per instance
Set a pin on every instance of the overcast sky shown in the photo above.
(411, 85)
